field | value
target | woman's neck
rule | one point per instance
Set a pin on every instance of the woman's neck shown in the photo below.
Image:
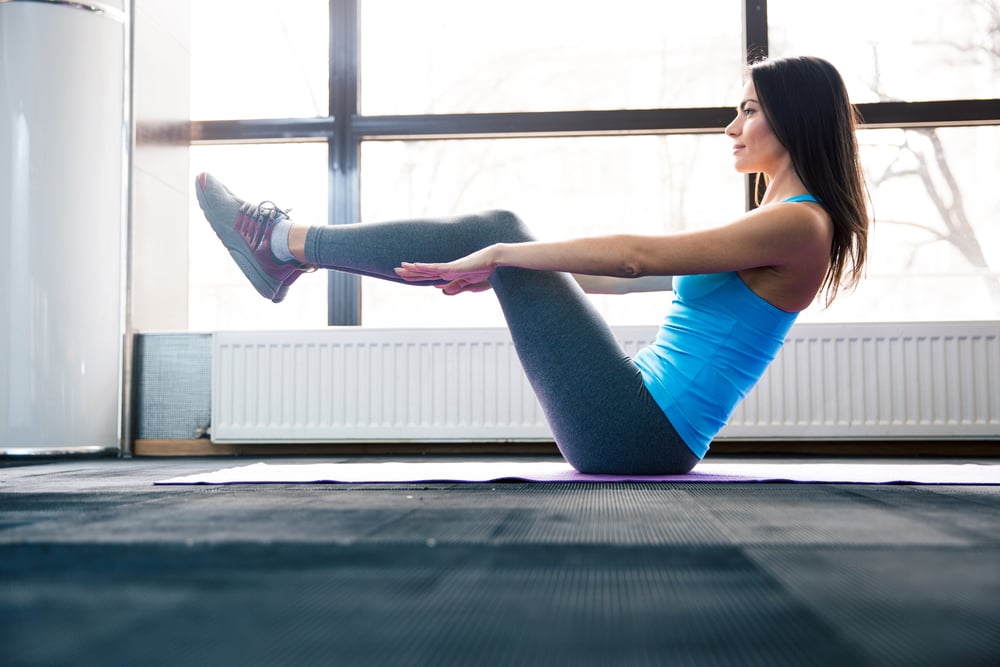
(783, 182)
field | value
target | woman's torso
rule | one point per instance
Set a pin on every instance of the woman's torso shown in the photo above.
(720, 335)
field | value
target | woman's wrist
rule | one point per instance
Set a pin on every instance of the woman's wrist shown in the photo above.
(499, 255)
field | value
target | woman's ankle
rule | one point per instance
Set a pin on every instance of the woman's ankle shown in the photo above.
(297, 241)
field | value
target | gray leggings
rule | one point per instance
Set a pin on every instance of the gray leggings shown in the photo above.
(603, 418)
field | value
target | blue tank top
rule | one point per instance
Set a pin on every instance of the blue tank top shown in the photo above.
(715, 343)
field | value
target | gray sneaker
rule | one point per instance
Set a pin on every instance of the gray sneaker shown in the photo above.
(245, 230)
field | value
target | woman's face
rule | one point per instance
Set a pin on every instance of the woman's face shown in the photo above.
(755, 147)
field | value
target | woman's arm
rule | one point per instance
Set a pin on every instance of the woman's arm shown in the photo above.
(612, 285)
(589, 284)
(769, 236)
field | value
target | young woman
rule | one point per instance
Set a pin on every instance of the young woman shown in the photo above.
(737, 290)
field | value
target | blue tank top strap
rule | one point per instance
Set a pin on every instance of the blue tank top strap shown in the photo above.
(805, 197)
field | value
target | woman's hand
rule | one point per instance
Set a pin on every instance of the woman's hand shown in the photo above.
(460, 286)
(467, 274)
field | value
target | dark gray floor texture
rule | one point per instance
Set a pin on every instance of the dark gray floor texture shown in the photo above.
(100, 567)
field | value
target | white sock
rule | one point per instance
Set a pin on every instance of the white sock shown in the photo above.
(279, 241)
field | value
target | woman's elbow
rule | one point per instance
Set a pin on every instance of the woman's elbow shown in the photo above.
(635, 260)
(634, 265)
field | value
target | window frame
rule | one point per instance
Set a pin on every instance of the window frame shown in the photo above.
(345, 128)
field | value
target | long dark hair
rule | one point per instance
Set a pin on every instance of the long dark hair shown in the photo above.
(806, 104)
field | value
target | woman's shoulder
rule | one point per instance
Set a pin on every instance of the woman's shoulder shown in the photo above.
(805, 232)
(804, 220)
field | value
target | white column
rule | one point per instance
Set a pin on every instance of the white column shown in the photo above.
(62, 152)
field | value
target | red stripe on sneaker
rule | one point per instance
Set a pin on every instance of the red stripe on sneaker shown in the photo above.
(249, 229)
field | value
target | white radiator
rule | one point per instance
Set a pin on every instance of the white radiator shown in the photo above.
(879, 381)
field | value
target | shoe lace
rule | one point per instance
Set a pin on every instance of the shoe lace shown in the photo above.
(256, 221)
(261, 218)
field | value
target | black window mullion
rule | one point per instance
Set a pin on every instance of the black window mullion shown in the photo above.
(544, 123)
(755, 41)
(933, 113)
(755, 47)
(940, 113)
(344, 294)
(260, 130)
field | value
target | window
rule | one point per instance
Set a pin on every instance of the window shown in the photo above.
(259, 59)
(933, 253)
(911, 50)
(438, 56)
(935, 248)
(562, 187)
(583, 118)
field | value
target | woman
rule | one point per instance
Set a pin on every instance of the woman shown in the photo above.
(738, 290)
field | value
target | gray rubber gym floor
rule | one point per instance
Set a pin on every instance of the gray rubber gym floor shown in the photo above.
(98, 566)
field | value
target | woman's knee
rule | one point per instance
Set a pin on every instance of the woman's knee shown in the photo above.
(507, 227)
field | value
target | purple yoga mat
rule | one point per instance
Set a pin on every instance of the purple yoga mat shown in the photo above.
(907, 472)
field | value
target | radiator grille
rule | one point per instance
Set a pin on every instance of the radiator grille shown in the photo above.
(438, 385)
(879, 381)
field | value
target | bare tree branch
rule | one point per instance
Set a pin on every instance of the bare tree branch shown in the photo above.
(938, 235)
(944, 191)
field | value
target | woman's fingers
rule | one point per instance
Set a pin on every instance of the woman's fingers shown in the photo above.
(460, 286)
(420, 271)
(415, 271)
(410, 271)
(458, 281)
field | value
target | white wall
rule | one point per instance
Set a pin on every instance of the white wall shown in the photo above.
(160, 188)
